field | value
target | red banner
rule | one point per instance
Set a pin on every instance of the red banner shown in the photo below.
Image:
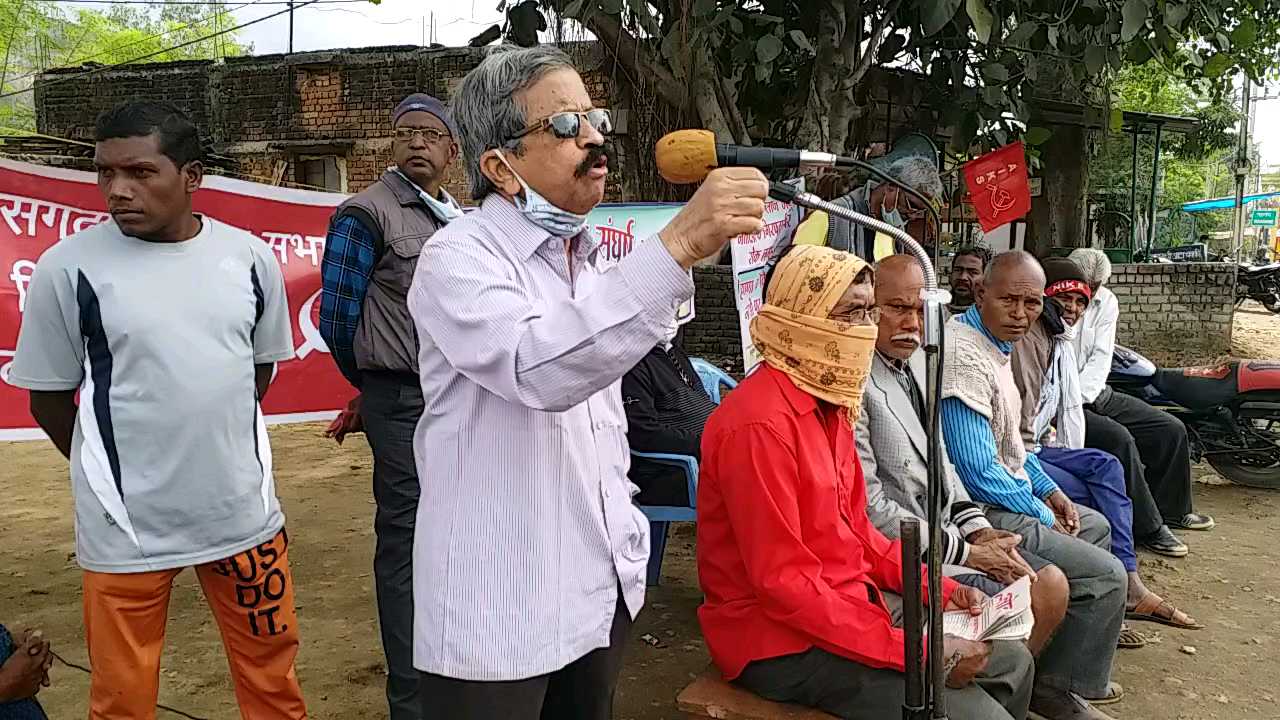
(39, 206)
(998, 187)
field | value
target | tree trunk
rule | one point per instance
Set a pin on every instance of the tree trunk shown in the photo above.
(1058, 216)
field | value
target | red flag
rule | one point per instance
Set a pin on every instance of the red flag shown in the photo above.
(998, 186)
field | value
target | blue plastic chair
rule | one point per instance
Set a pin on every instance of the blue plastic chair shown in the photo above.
(713, 378)
(661, 516)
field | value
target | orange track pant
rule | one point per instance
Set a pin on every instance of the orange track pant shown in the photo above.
(251, 595)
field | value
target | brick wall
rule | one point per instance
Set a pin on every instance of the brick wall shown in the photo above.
(1175, 306)
(713, 332)
(262, 114)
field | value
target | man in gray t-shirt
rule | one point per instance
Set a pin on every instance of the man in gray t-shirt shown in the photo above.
(169, 325)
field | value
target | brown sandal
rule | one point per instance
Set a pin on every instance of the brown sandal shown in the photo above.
(1156, 609)
(1130, 639)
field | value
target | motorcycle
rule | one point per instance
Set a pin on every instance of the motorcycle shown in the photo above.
(1259, 282)
(1231, 411)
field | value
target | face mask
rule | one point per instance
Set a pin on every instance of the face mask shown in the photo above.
(542, 212)
(893, 217)
(445, 210)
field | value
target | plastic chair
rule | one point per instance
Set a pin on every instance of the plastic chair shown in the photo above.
(713, 378)
(661, 516)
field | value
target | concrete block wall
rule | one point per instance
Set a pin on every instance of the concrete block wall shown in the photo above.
(1174, 306)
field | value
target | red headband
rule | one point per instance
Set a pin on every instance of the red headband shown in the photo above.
(1064, 286)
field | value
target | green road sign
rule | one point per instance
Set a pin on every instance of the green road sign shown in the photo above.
(1262, 218)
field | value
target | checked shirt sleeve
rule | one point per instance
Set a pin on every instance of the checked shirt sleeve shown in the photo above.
(349, 257)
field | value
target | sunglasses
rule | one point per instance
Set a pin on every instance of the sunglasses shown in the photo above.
(568, 125)
(431, 135)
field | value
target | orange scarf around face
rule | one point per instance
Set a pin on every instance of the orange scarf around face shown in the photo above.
(826, 358)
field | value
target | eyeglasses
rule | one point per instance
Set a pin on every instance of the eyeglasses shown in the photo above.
(901, 311)
(859, 316)
(430, 135)
(568, 125)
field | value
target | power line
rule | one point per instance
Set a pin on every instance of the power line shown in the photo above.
(104, 68)
(161, 34)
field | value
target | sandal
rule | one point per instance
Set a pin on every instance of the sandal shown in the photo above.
(1156, 609)
(1194, 521)
(1164, 542)
(1130, 639)
(1115, 693)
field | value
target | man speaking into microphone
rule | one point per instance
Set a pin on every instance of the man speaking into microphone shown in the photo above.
(529, 557)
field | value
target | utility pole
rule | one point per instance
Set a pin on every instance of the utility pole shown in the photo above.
(1241, 170)
(290, 27)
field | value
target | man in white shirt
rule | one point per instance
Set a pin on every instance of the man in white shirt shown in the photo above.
(529, 557)
(1119, 424)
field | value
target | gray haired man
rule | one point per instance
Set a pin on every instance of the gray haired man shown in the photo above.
(529, 557)
(885, 201)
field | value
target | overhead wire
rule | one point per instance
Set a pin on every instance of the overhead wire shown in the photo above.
(169, 31)
(93, 71)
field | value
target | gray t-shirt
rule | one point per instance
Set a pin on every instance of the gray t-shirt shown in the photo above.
(170, 462)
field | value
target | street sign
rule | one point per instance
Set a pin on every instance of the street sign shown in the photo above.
(1262, 218)
(1196, 252)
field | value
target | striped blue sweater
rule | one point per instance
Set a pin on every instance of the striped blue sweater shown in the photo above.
(971, 446)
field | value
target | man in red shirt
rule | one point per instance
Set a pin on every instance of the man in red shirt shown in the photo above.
(802, 593)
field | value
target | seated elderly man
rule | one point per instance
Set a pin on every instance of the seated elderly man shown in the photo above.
(803, 594)
(1053, 427)
(1115, 421)
(666, 407)
(981, 412)
(896, 472)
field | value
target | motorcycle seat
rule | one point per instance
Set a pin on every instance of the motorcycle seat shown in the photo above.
(1259, 269)
(1255, 375)
(1200, 388)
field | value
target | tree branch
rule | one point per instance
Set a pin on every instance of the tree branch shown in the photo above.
(636, 57)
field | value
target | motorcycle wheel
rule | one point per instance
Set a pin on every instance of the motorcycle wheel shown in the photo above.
(1260, 467)
(1272, 304)
(1251, 475)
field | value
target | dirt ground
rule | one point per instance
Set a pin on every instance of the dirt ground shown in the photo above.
(1231, 582)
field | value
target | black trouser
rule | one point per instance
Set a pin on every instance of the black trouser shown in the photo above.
(582, 690)
(1162, 445)
(1103, 433)
(390, 406)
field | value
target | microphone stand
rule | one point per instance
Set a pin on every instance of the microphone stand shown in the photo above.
(933, 706)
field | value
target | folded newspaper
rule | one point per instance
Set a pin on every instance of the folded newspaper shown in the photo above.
(1005, 616)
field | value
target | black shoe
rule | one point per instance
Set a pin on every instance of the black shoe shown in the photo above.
(1061, 705)
(1194, 521)
(1164, 542)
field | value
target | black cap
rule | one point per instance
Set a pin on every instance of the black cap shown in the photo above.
(425, 103)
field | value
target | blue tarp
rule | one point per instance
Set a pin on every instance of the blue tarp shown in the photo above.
(1224, 203)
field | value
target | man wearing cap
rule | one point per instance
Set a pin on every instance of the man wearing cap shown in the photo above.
(370, 253)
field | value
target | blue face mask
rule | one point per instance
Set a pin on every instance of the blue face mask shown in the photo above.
(445, 210)
(542, 212)
(893, 217)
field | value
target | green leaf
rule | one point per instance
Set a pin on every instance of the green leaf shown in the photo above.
(1053, 36)
(1176, 13)
(573, 9)
(1116, 120)
(937, 13)
(995, 73)
(1022, 33)
(735, 25)
(1217, 65)
(802, 42)
(768, 48)
(993, 96)
(1135, 18)
(1095, 57)
(1036, 135)
(890, 48)
(640, 9)
(764, 72)
(981, 18)
(1137, 52)
(703, 7)
(611, 7)
(1244, 34)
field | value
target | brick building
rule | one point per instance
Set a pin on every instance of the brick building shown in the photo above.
(318, 119)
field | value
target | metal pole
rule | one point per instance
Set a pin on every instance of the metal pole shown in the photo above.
(1133, 197)
(290, 27)
(1155, 185)
(1242, 171)
(914, 703)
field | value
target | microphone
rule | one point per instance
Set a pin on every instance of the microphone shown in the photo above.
(686, 156)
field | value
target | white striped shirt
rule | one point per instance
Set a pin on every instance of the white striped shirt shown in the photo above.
(525, 525)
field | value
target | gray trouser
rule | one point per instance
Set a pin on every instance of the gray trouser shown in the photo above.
(1079, 656)
(853, 691)
(390, 406)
